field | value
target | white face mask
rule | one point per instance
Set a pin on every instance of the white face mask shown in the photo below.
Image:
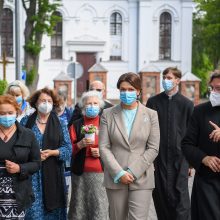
(45, 107)
(214, 98)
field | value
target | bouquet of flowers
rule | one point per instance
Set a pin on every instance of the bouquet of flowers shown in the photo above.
(88, 129)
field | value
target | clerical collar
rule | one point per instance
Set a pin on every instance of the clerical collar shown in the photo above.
(171, 96)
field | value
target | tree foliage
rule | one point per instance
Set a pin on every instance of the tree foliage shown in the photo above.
(206, 40)
(40, 20)
(3, 86)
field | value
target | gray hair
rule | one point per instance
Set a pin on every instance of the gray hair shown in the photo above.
(88, 94)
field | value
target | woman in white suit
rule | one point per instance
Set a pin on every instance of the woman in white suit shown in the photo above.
(129, 143)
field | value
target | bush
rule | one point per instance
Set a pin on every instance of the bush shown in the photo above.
(3, 86)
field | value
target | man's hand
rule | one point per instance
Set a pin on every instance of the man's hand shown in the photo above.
(212, 162)
(127, 178)
(215, 135)
(12, 167)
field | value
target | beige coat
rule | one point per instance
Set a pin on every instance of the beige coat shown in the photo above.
(118, 152)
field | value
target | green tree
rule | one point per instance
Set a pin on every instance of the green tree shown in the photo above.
(3, 86)
(201, 63)
(206, 40)
(40, 20)
(211, 31)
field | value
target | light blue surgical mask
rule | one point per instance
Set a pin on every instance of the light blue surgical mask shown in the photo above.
(128, 97)
(92, 111)
(7, 120)
(167, 84)
(19, 99)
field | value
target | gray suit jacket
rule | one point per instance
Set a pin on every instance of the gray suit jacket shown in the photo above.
(118, 152)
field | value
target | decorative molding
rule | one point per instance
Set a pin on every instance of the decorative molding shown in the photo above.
(166, 8)
(64, 12)
(10, 5)
(86, 40)
(116, 8)
(86, 7)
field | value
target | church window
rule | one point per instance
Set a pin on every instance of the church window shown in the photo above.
(7, 32)
(116, 24)
(57, 39)
(165, 36)
(116, 36)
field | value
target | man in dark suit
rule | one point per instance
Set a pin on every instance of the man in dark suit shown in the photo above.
(97, 86)
(201, 148)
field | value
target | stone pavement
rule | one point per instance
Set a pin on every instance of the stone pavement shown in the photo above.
(152, 212)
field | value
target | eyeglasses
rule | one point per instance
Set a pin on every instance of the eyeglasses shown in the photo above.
(98, 90)
(214, 89)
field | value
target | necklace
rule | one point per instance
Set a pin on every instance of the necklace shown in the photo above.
(7, 134)
(40, 122)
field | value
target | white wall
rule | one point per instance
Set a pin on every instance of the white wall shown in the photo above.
(86, 28)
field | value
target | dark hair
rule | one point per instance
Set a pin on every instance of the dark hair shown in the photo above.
(132, 78)
(214, 75)
(175, 71)
(34, 97)
(9, 99)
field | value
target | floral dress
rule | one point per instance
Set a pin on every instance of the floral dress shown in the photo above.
(37, 210)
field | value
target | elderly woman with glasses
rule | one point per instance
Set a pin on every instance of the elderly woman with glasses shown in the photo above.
(53, 138)
(88, 199)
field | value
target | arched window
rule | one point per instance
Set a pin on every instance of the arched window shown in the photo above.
(7, 32)
(116, 36)
(57, 39)
(116, 24)
(165, 36)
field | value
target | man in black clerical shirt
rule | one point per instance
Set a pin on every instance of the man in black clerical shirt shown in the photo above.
(201, 147)
(171, 196)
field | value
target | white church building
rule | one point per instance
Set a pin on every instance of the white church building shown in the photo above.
(120, 35)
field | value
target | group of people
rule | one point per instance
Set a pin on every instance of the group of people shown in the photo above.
(134, 153)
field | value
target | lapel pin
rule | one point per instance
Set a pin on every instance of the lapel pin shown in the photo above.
(146, 119)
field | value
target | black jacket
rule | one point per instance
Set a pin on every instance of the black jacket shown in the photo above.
(26, 153)
(196, 144)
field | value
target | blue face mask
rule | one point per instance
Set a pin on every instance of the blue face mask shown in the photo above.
(128, 98)
(167, 84)
(19, 99)
(92, 111)
(7, 121)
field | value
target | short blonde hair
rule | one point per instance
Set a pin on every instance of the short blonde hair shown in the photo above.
(18, 84)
